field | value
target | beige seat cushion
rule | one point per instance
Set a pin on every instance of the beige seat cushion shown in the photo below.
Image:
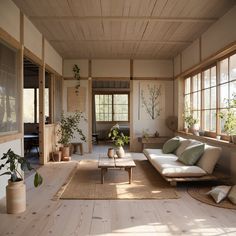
(167, 165)
(209, 158)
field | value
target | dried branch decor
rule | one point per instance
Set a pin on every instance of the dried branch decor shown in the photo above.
(151, 102)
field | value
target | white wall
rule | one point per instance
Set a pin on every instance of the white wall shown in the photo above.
(218, 36)
(191, 55)
(68, 67)
(110, 68)
(153, 68)
(10, 18)
(32, 38)
(83, 124)
(141, 120)
(52, 58)
(16, 147)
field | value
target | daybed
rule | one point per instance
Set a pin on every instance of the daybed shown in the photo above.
(173, 169)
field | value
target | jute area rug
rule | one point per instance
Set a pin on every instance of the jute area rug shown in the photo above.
(85, 183)
(199, 193)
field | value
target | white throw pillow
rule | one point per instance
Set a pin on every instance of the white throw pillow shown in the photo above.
(209, 158)
(219, 193)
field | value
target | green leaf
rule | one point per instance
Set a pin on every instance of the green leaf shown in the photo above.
(23, 166)
(6, 173)
(38, 180)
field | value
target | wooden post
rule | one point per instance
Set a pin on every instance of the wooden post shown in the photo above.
(42, 154)
(90, 99)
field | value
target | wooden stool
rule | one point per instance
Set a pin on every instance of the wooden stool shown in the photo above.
(75, 148)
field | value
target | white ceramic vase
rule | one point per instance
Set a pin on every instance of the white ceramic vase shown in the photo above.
(15, 197)
(120, 152)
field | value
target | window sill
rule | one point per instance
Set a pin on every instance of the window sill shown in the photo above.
(206, 139)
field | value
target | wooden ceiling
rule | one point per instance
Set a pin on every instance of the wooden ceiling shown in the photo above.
(138, 29)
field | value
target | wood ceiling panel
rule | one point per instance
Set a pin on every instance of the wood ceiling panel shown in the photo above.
(122, 28)
(192, 8)
(127, 7)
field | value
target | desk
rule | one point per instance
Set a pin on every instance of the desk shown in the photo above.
(30, 141)
(154, 142)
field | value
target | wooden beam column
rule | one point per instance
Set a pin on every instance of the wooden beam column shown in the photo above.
(90, 99)
(42, 158)
(131, 129)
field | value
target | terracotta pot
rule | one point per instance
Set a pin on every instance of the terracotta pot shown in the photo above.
(120, 152)
(110, 152)
(65, 152)
(15, 197)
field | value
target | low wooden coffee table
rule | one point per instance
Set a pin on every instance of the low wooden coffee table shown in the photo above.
(123, 163)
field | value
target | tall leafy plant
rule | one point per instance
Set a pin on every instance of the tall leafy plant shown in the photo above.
(69, 125)
(76, 71)
(14, 163)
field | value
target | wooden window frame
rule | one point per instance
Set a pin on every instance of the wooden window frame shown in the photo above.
(216, 64)
(113, 93)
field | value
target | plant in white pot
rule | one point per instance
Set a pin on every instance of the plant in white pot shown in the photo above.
(15, 190)
(69, 126)
(119, 140)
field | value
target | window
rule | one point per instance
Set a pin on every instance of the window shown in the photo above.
(112, 107)
(9, 92)
(31, 104)
(193, 96)
(207, 92)
(209, 99)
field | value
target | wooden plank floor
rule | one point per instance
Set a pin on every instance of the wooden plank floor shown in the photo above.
(184, 216)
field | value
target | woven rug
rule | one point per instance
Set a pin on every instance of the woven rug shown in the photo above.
(85, 183)
(199, 193)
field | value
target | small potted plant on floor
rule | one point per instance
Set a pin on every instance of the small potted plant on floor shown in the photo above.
(69, 125)
(119, 140)
(15, 190)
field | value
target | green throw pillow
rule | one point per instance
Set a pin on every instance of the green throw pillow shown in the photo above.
(171, 145)
(192, 154)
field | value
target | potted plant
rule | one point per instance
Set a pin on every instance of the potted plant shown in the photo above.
(69, 125)
(119, 139)
(229, 117)
(189, 120)
(15, 190)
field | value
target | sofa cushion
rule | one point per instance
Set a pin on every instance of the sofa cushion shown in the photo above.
(209, 158)
(168, 166)
(184, 143)
(232, 195)
(171, 145)
(219, 193)
(192, 154)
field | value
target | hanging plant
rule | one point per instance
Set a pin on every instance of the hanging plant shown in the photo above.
(76, 71)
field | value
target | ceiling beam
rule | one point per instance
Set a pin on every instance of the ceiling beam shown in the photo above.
(121, 41)
(127, 18)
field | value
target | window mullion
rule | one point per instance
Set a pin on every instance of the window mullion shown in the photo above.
(217, 97)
